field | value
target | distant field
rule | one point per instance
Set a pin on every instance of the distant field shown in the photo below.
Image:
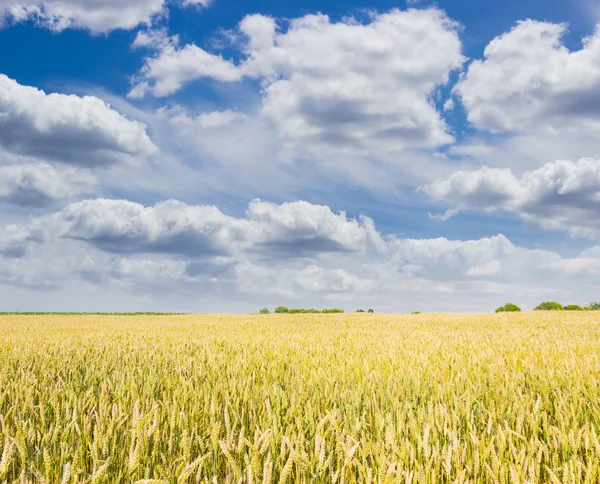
(304, 398)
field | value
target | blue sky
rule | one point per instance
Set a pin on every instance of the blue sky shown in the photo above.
(199, 155)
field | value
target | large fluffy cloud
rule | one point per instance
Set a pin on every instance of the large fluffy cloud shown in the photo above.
(345, 86)
(67, 128)
(303, 228)
(184, 249)
(121, 226)
(561, 195)
(529, 80)
(41, 185)
(98, 16)
(449, 260)
(172, 227)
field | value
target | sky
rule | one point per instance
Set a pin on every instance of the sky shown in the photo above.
(224, 156)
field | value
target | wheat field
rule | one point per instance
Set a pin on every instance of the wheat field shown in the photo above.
(347, 398)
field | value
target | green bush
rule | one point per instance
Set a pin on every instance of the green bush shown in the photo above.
(549, 306)
(360, 311)
(265, 311)
(284, 310)
(417, 312)
(371, 311)
(593, 306)
(509, 308)
(573, 307)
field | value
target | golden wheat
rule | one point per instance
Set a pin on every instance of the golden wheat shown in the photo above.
(505, 398)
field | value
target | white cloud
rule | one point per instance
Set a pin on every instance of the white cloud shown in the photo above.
(486, 189)
(530, 81)
(344, 87)
(561, 195)
(471, 150)
(20, 272)
(215, 119)
(155, 39)
(389, 279)
(40, 185)
(175, 66)
(98, 16)
(241, 155)
(444, 259)
(288, 230)
(301, 283)
(158, 272)
(121, 226)
(174, 248)
(315, 279)
(577, 267)
(490, 268)
(71, 129)
(15, 239)
(302, 228)
(449, 105)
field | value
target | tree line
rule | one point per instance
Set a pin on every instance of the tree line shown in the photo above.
(550, 306)
(284, 310)
(507, 308)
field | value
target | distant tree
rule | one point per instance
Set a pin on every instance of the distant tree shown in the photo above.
(284, 310)
(593, 306)
(360, 311)
(265, 311)
(509, 308)
(549, 306)
(573, 307)
(371, 311)
(417, 312)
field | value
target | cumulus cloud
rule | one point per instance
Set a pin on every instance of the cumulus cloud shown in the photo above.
(71, 129)
(98, 16)
(297, 229)
(174, 66)
(444, 259)
(529, 80)
(561, 195)
(316, 279)
(120, 226)
(490, 268)
(80, 264)
(415, 274)
(174, 247)
(302, 228)
(298, 283)
(154, 38)
(41, 185)
(345, 86)
(100, 269)
(577, 267)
